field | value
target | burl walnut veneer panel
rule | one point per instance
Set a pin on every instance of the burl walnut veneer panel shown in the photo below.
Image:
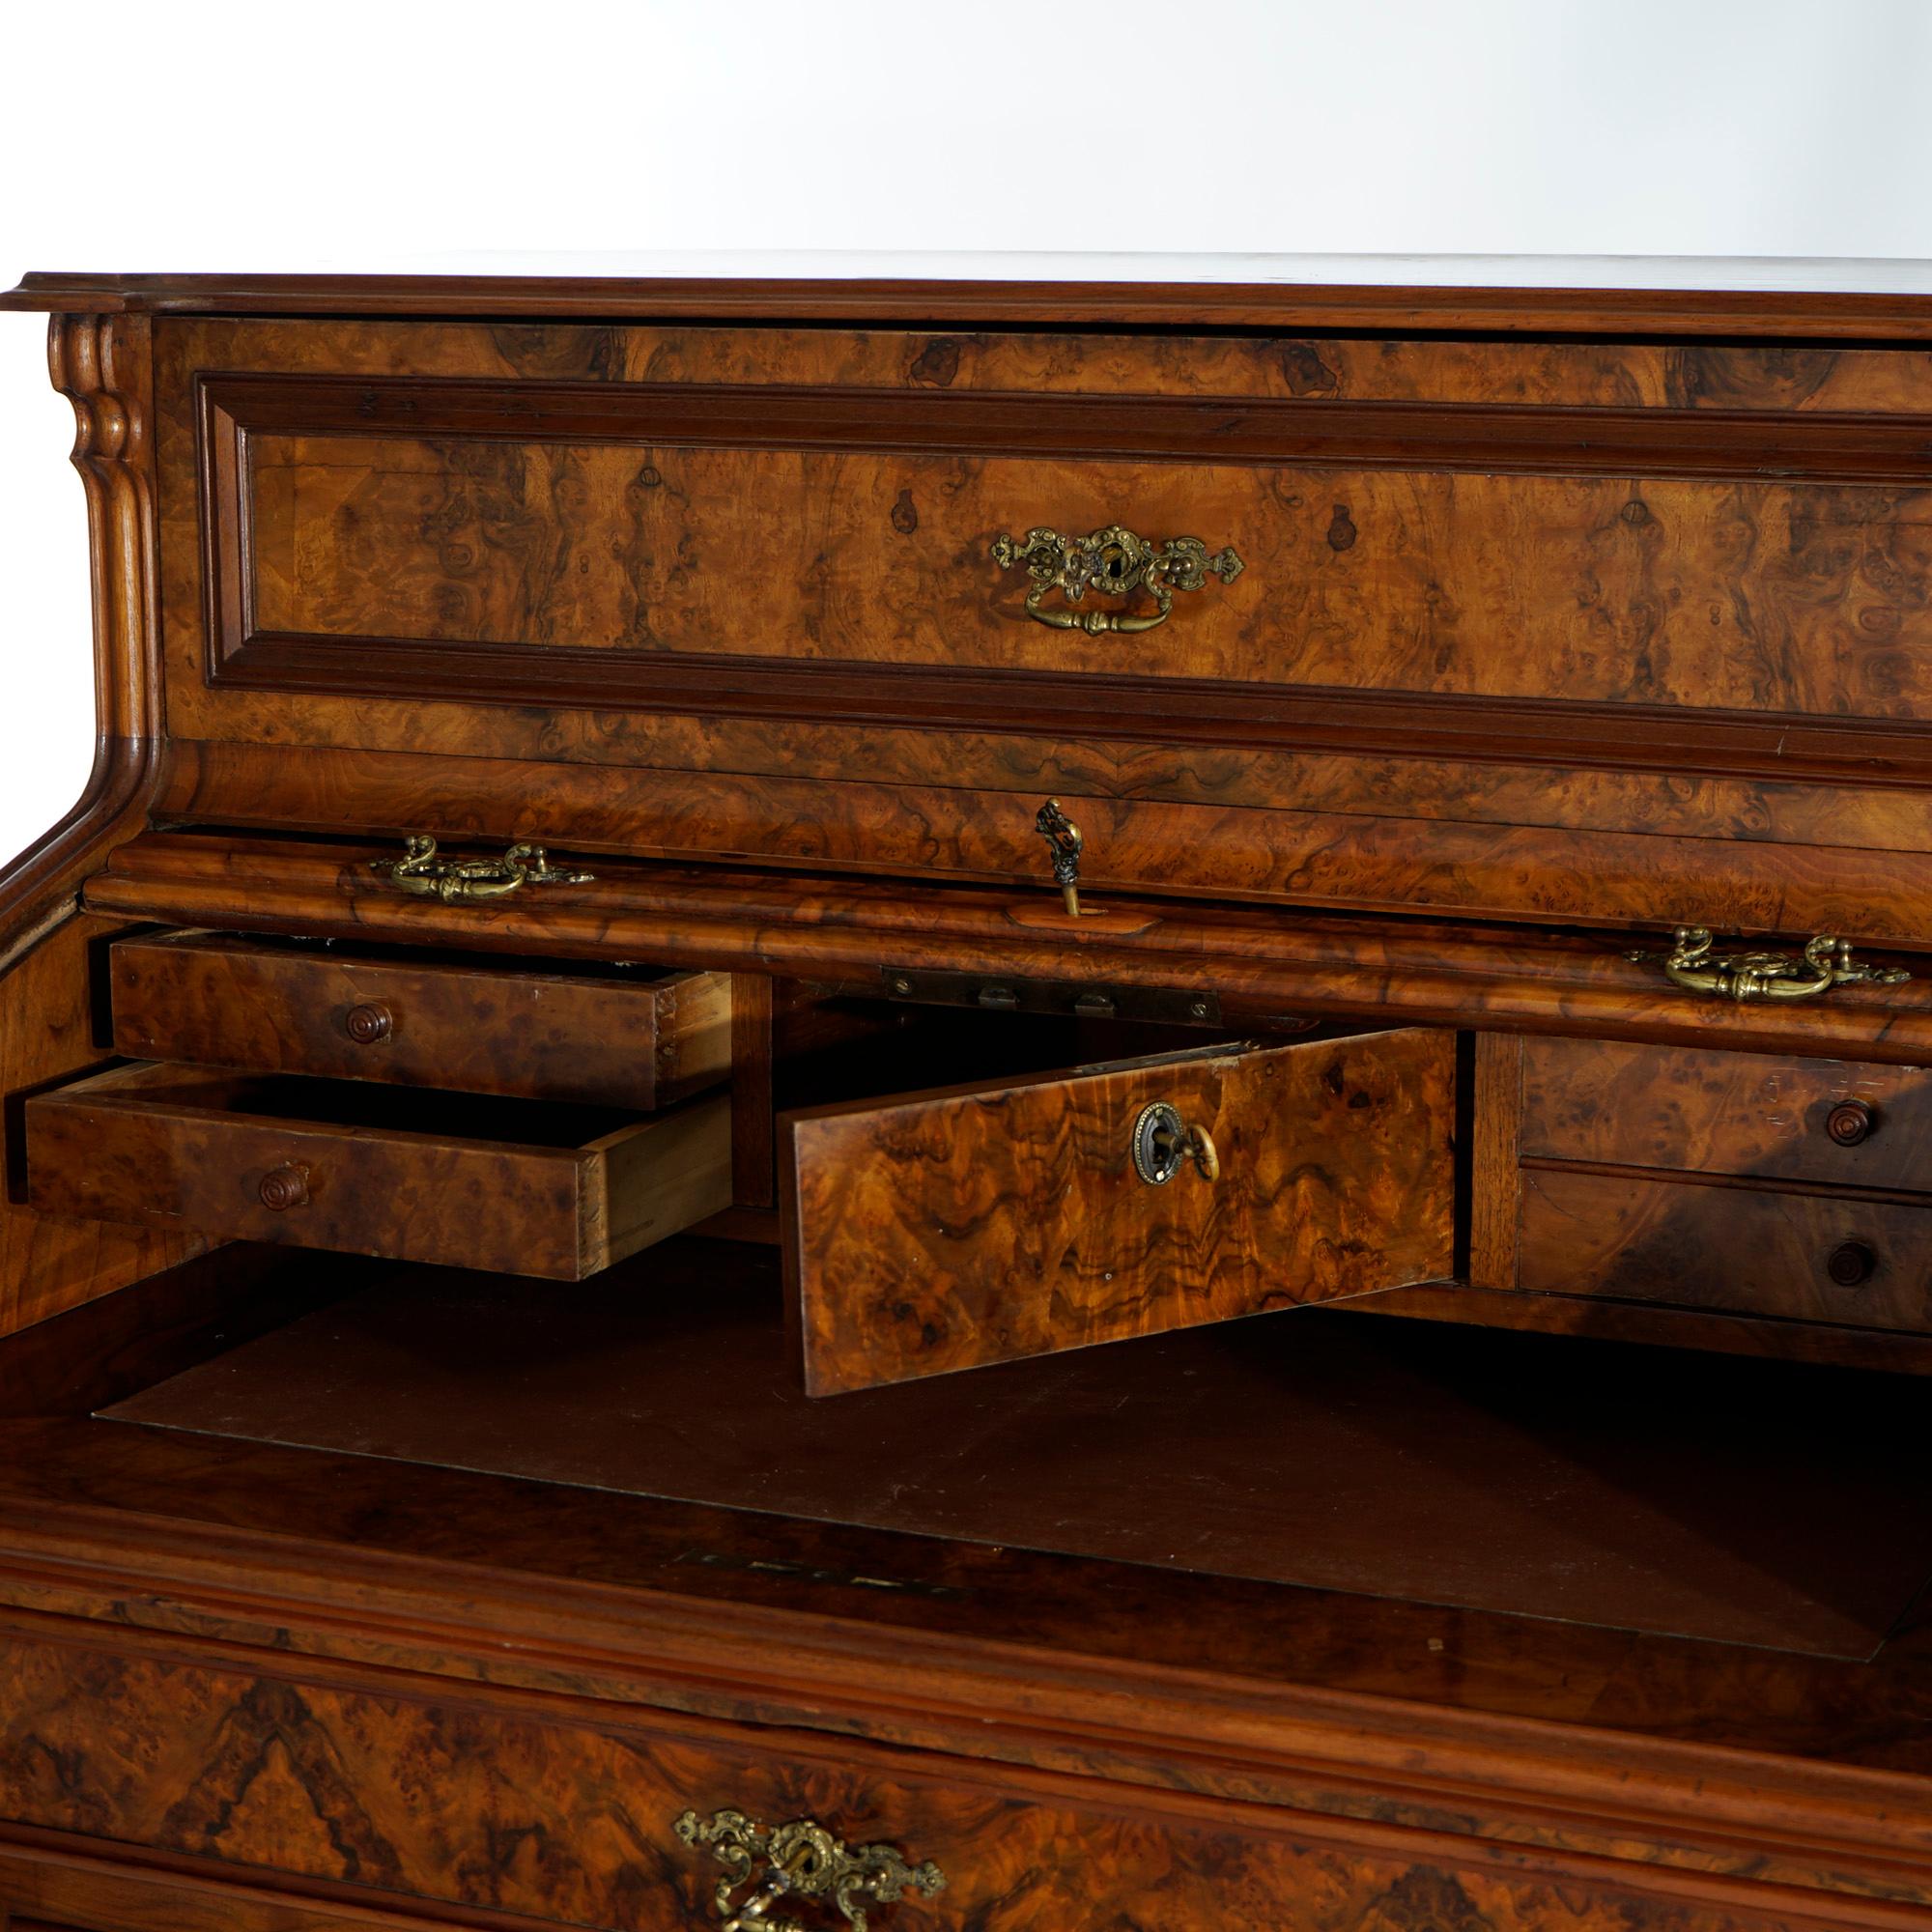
(561, 1811)
(1645, 589)
(926, 1232)
(1728, 1112)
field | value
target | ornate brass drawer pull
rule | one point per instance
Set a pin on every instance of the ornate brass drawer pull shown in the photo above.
(801, 1859)
(1116, 563)
(1826, 962)
(456, 881)
(1163, 1141)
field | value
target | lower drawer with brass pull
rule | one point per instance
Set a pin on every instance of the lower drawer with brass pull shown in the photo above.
(515, 1186)
(658, 1822)
(1806, 1256)
(963, 1225)
(635, 1037)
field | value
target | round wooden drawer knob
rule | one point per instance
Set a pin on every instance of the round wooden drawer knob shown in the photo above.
(1849, 1122)
(365, 1025)
(284, 1187)
(1851, 1263)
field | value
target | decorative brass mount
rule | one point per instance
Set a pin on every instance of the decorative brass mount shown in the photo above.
(1114, 562)
(1826, 962)
(1064, 842)
(1162, 1141)
(458, 881)
(802, 1859)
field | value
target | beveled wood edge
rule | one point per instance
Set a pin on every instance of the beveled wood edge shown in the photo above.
(1389, 970)
(978, 1700)
(1780, 747)
(1655, 1325)
(62, 1879)
(1267, 307)
(303, 1903)
(120, 1089)
(1567, 439)
(103, 367)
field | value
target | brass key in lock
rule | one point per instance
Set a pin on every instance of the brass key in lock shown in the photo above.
(1163, 1142)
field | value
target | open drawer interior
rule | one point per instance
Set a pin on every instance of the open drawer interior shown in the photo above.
(524, 1188)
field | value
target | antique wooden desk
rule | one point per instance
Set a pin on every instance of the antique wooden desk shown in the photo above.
(672, 863)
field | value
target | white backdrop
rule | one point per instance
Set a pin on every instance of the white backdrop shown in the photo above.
(356, 135)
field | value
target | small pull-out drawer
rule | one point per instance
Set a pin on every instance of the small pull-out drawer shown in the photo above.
(1798, 1254)
(947, 1229)
(1746, 1114)
(604, 1036)
(515, 1186)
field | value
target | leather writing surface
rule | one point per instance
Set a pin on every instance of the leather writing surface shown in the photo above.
(1595, 1483)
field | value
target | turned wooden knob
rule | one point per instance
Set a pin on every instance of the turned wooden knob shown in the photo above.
(1851, 1263)
(366, 1024)
(1849, 1122)
(284, 1187)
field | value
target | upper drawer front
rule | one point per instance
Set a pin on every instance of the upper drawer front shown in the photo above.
(1727, 1113)
(1623, 634)
(498, 528)
(634, 1038)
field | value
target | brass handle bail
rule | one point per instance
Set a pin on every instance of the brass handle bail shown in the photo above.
(461, 881)
(800, 1859)
(1113, 562)
(1693, 964)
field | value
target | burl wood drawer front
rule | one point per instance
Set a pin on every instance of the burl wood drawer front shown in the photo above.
(939, 1231)
(478, 1804)
(1394, 547)
(1809, 1257)
(1727, 1113)
(518, 1187)
(633, 1039)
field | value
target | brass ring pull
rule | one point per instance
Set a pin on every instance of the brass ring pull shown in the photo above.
(458, 881)
(1693, 964)
(801, 1859)
(1113, 562)
(1163, 1142)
